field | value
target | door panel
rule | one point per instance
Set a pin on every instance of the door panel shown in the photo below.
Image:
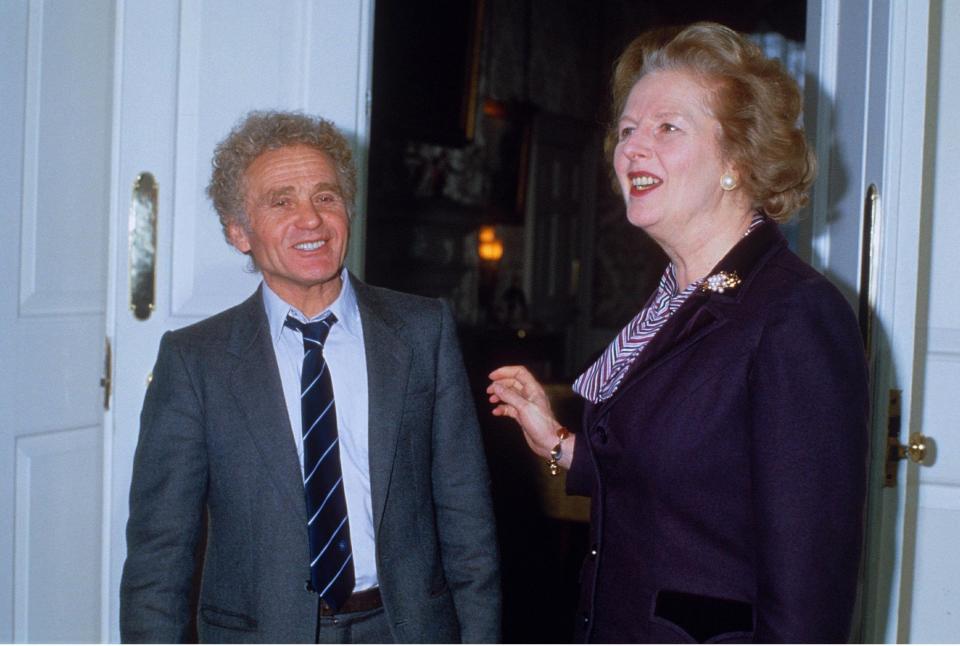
(931, 615)
(56, 74)
(69, 80)
(929, 610)
(59, 485)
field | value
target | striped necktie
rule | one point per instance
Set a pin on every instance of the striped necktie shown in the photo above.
(331, 558)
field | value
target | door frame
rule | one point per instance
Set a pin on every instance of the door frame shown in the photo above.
(900, 32)
(895, 307)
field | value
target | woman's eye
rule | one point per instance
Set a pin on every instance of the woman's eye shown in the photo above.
(626, 132)
(668, 127)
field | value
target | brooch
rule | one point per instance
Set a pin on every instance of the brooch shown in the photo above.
(720, 282)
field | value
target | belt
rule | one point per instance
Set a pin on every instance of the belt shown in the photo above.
(357, 602)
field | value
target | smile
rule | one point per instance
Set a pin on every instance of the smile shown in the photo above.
(644, 182)
(310, 246)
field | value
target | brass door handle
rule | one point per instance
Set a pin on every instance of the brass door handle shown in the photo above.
(143, 246)
(916, 450)
(106, 381)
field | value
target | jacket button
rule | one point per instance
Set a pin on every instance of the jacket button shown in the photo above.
(585, 618)
(602, 434)
(594, 551)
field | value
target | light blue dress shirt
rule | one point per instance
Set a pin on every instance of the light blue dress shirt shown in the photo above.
(345, 355)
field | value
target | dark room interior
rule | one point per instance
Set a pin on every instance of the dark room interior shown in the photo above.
(488, 188)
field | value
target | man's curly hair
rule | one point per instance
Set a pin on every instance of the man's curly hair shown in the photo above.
(260, 131)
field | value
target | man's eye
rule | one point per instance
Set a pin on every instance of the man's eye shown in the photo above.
(281, 202)
(668, 127)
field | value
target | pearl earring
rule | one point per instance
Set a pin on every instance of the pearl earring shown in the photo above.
(728, 182)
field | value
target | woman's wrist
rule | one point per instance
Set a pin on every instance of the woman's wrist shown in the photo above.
(561, 454)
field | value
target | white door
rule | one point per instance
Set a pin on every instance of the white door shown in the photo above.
(94, 94)
(180, 93)
(883, 120)
(55, 73)
(929, 569)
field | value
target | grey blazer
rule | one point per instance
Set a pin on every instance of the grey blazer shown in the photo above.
(215, 439)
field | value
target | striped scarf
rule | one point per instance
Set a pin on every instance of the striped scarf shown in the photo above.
(602, 379)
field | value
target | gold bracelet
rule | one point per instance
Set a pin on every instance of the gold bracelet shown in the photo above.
(557, 452)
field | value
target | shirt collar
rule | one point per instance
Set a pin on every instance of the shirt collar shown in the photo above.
(344, 307)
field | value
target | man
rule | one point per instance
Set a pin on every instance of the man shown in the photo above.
(397, 542)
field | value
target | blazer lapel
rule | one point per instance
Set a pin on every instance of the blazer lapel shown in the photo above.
(688, 325)
(388, 369)
(703, 312)
(255, 383)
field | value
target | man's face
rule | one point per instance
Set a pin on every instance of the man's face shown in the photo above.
(298, 225)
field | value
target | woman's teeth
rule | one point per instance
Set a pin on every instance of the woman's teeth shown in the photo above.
(644, 182)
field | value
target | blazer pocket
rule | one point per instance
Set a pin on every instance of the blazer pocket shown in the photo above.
(227, 619)
(702, 617)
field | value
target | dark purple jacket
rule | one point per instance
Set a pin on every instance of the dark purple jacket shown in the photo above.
(728, 471)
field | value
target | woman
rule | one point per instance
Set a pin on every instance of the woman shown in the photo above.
(724, 437)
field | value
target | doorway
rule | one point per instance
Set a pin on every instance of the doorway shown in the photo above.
(522, 163)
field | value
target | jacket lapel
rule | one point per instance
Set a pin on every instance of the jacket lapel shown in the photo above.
(689, 324)
(388, 369)
(255, 383)
(703, 312)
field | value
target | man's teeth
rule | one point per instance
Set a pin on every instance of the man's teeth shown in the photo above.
(644, 182)
(309, 246)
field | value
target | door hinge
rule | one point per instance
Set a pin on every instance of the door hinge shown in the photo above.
(893, 438)
(106, 381)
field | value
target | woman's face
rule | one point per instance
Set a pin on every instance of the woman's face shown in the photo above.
(667, 158)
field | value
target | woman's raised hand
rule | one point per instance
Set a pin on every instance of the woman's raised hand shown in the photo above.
(515, 393)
